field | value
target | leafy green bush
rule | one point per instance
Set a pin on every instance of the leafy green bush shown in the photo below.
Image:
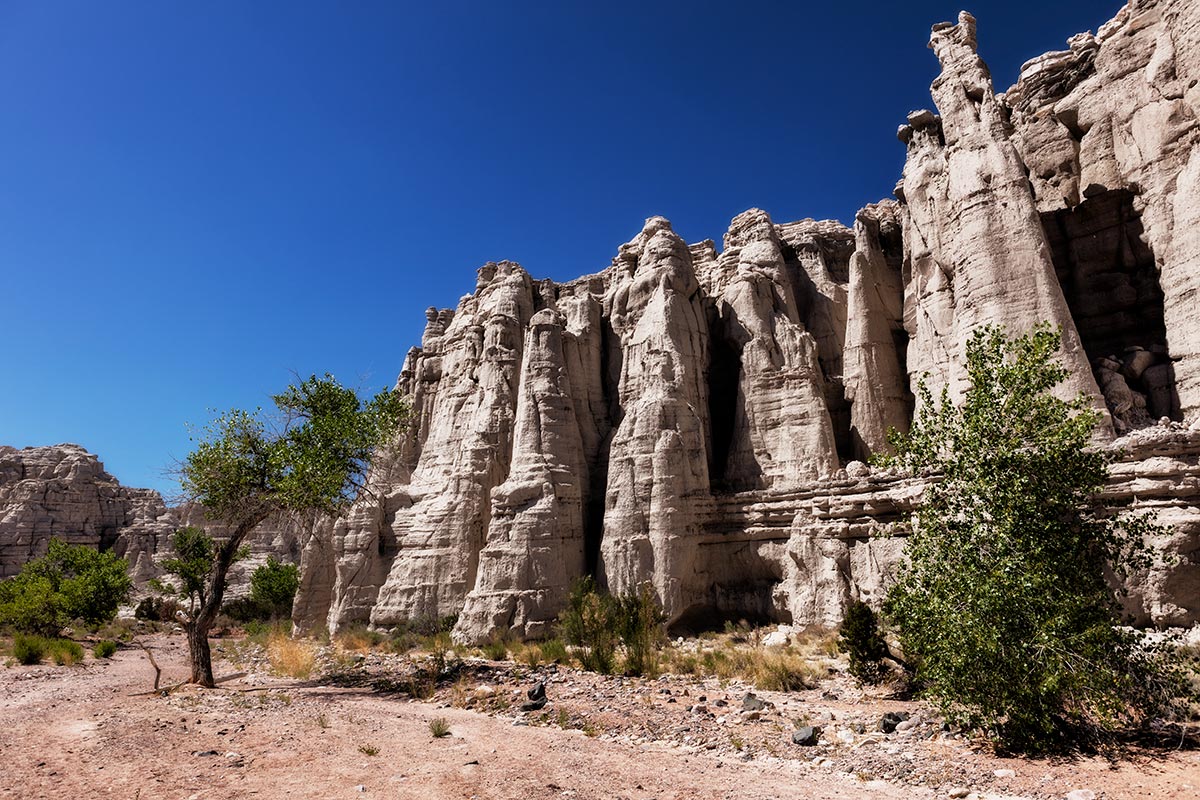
(29, 648)
(104, 649)
(273, 587)
(65, 652)
(1002, 603)
(639, 621)
(554, 651)
(588, 624)
(595, 623)
(70, 582)
(156, 609)
(859, 639)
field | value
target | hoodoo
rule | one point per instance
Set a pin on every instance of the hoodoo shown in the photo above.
(699, 420)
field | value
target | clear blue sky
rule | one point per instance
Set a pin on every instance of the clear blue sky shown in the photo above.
(199, 199)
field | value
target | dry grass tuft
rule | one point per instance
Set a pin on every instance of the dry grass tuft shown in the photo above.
(294, 658)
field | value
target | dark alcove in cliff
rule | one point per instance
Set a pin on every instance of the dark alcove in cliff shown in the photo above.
(724, 370)
(1110, 280)
(593, 511)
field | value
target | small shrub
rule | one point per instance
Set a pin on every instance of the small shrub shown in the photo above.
(555, 652)
(292, 657)
(439, 727)
(29, 649)
(639, 620)
(860, 641)
(368, 749)
(588, 624)
(156, 609)
(322, 721)
(530, 656)
(359, 638)
(65, 652)
(273, 587)
(245, 610)
(496, 648)
(104, 649)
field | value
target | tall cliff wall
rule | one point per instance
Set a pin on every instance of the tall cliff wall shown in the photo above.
(697, 419)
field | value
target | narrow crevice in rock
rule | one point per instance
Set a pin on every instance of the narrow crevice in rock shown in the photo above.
(725, 366)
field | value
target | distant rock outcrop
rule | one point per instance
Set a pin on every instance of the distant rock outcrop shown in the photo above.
(698, 420)
(63, 492)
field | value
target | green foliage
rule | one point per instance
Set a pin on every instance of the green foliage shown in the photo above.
(554, 651)
(595, 623)
(156, 609)
(588, 624)
(69, 583)
(859, 639)
(639, 623)
(29, 648)
(1003, 604)
(104, 649)
(496, 648)
(315, 461)
(193, 560)
(65, 652)
(273, 587)
(439, 727)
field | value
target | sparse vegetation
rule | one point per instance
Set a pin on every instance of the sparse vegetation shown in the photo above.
(70, 582)
(860, 640)
(292, 657)
(368, 749)
(595, 623)
(65, 652)
(439, 727)
(496, 648)
(104, 649)
(639, 621)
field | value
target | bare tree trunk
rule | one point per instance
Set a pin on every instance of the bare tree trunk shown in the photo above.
(201, 655)
(206, 614)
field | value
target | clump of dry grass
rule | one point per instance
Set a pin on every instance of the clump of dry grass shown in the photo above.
(737, 654)
(294, 658)
(439, 727)
(359, 639)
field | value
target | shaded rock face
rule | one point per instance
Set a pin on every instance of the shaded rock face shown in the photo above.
(63, 492)
(697, 419)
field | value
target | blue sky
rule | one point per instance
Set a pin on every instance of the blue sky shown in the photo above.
(199, 200)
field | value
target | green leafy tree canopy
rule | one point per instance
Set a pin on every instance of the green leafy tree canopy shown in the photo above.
(312, 458)
(1002, 603)
(70, 582)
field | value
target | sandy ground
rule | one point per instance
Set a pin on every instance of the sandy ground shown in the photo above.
(92, 731)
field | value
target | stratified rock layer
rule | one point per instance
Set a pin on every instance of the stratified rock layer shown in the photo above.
(698, 420)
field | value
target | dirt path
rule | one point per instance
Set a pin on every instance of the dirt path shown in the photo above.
(78, 732)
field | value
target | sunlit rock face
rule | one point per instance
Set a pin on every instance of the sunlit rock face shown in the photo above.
(697, 418)
(63, 492)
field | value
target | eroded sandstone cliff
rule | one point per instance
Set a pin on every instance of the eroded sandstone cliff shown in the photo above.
(697, 419)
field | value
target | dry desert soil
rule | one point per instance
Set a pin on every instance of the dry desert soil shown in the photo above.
(95, 730)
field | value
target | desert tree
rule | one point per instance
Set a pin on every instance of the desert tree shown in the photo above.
(310, 457)
(1003, 603)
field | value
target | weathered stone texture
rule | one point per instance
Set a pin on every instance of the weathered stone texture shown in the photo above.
(63, 492)
(697, 418)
